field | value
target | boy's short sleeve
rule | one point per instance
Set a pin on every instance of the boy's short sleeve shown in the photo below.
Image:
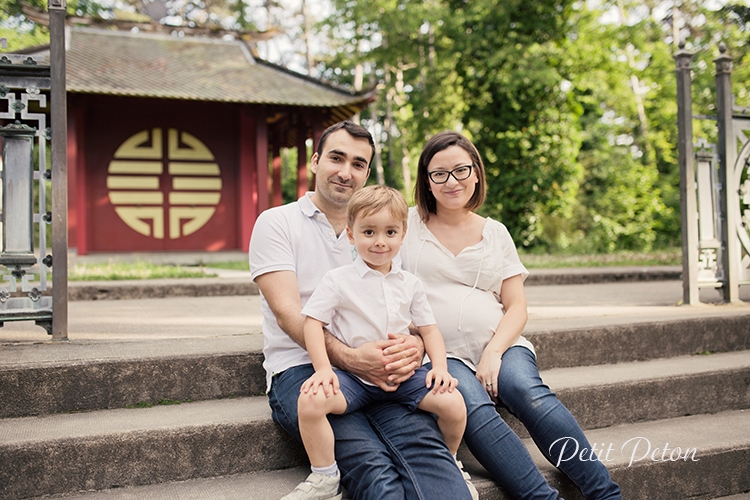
(421, 312)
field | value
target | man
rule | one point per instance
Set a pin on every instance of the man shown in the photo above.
(383, 451)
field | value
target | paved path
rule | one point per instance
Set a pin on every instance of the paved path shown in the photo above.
(550, 306)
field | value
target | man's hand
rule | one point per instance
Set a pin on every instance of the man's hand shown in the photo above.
(372, 362)
(402, 356)
(385, 363)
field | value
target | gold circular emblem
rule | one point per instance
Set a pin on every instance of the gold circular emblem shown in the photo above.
(137, 171)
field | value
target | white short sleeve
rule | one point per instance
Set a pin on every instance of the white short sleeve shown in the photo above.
(421, 312)
(270, 246)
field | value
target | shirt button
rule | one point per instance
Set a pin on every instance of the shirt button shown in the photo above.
(330, 233)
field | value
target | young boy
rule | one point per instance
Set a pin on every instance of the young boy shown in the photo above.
(361, 303)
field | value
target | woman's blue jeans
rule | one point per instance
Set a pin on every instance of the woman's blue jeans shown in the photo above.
(384, 451)
(499, 449)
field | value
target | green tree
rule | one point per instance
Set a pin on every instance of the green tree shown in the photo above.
(622, 74)
(524, 123)
(397, 45)
(17, 30)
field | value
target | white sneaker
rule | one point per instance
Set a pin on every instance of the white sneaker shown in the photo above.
(467, 478)
(318, 487)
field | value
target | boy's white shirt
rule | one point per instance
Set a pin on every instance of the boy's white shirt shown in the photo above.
(360, 305)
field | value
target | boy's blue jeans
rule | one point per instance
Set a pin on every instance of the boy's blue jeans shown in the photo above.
(498, 448)
(384, 451)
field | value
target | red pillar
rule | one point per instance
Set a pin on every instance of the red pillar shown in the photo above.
(302, 182)
(76, 161)
(261, 160)
(277, 187)
(317, 132)
(72, 153)
(247, 192)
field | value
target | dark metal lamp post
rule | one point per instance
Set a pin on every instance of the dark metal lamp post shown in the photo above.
(24, 82)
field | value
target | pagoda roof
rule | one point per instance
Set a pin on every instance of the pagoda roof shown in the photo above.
(190, 68)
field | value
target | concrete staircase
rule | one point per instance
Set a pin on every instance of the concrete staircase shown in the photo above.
(664, 397)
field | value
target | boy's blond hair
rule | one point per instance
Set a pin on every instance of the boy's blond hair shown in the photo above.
(372, 199)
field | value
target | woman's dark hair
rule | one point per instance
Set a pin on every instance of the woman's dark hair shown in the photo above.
(353, 129)
(424, 198)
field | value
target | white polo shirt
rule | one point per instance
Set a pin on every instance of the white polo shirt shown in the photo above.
(294, 237)
(362, 305)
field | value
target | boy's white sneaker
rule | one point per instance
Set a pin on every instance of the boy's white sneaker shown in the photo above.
(467, 478)
(317, 487)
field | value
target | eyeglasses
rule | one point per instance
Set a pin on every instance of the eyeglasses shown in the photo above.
(459, 173)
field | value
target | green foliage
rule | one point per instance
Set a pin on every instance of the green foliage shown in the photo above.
(19, 32)
(666, 257)
(571, 104)
(523, 123)
(22, 33)
(574, 115)
(402, 47)
(624, 161)
(243, 265)
(289, 175)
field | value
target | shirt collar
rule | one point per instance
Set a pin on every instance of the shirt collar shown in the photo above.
(362, 268)
(307, 206)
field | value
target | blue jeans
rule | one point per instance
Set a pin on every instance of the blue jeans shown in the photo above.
(358, 394)
(384, 451)
(499, 449)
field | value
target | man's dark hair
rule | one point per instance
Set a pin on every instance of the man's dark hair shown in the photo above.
(357, 131)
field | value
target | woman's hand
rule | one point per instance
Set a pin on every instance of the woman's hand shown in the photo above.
(488, 370)
(325, 379)
(506, 334)
(440, 380)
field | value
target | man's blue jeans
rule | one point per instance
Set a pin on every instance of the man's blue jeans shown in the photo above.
(498, 448)
(384, 451)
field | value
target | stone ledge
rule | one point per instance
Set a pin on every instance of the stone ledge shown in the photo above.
(207, 287)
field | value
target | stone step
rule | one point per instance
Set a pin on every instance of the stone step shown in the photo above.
(606, 395)
(706, 457)
(124, 447)
(76, 376)
(96, 374)
(100, 449)
(240, 283)
(160, 288)
(600, 339)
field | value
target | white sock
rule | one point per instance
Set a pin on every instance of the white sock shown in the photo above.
(332, 470)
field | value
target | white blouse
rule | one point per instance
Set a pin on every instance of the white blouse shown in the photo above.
(463, 289)
(360, 305)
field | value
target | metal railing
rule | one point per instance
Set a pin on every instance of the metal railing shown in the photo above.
(714, 188)
(30, 92)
